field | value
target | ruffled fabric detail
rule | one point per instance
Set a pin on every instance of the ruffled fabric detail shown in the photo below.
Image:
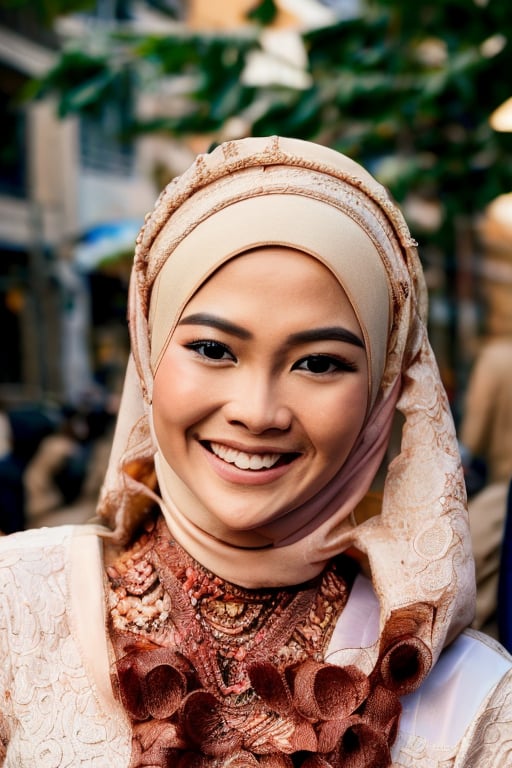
(312, 714)
(210, 677)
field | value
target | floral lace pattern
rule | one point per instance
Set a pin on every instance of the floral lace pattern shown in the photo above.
(50, 717)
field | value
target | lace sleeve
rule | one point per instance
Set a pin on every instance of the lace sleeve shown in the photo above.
(5, 668)
(50, 711)
(4, 729)
(489, 742)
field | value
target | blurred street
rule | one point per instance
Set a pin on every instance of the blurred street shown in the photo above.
(53, 465)
(79, 512)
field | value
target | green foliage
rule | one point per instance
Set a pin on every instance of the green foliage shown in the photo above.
(407, 89)
(212, 68)
(48, 10)
(263, 13)
(417, 85)
(83, 82)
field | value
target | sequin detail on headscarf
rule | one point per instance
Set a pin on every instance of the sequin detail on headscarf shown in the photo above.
(236, 677)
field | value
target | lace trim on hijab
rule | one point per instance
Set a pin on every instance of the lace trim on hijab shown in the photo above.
(214, 675)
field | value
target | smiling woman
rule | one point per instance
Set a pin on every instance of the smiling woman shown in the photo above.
(228, 609)
(266, 358)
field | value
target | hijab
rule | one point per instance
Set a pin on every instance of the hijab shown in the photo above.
(287, 192)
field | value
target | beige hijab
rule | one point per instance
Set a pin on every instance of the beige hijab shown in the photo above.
(276, 191)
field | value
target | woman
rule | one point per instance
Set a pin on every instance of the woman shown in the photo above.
(242, 607)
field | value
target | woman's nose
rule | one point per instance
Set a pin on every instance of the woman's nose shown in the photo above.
(258, 404)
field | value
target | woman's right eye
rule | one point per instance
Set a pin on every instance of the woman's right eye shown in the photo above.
(212, 350)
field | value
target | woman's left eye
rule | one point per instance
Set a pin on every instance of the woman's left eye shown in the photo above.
(321, 364)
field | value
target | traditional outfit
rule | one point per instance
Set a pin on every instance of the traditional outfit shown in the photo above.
(152, 642)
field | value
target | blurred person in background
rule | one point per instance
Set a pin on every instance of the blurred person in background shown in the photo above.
(54, 476)
(5, 431)
(485, 435)
(28, 426)
(63, 479)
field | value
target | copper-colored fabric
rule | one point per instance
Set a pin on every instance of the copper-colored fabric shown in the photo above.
(210, 672)
(418, 548)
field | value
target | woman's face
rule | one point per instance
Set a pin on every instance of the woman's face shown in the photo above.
(262, 390)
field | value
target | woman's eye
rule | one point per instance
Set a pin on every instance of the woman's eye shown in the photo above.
(319, 364)
(212, 350)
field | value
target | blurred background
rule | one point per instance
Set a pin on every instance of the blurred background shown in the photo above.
(105, 101)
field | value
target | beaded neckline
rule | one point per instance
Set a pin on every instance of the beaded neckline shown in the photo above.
(212, 674)
(160, 594)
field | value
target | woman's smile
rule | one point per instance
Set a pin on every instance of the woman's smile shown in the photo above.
(250, 459)
(263, 388)
(248, 467)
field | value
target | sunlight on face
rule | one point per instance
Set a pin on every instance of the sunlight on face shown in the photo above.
(263, 388)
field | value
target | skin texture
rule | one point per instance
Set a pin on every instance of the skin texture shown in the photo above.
(262, 390)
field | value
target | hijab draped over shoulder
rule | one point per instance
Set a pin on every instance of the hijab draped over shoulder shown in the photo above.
(277, 191)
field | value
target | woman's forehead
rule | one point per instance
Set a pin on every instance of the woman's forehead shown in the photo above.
(285, 264)
(274, 283)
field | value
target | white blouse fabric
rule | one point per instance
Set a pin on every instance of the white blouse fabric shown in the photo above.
(58, 708)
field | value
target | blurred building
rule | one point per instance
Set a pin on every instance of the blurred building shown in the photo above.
(73, 194)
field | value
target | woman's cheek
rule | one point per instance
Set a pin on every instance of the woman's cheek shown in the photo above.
(339, 420)
(182, 390)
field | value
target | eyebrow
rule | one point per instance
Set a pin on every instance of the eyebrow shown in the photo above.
(330, 333)
(203, 318)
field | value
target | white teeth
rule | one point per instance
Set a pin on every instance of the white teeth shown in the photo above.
(244, 460)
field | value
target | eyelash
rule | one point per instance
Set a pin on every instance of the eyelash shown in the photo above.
(197, 346)
(338, 364)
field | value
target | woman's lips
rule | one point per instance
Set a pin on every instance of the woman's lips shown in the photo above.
(266, 465)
